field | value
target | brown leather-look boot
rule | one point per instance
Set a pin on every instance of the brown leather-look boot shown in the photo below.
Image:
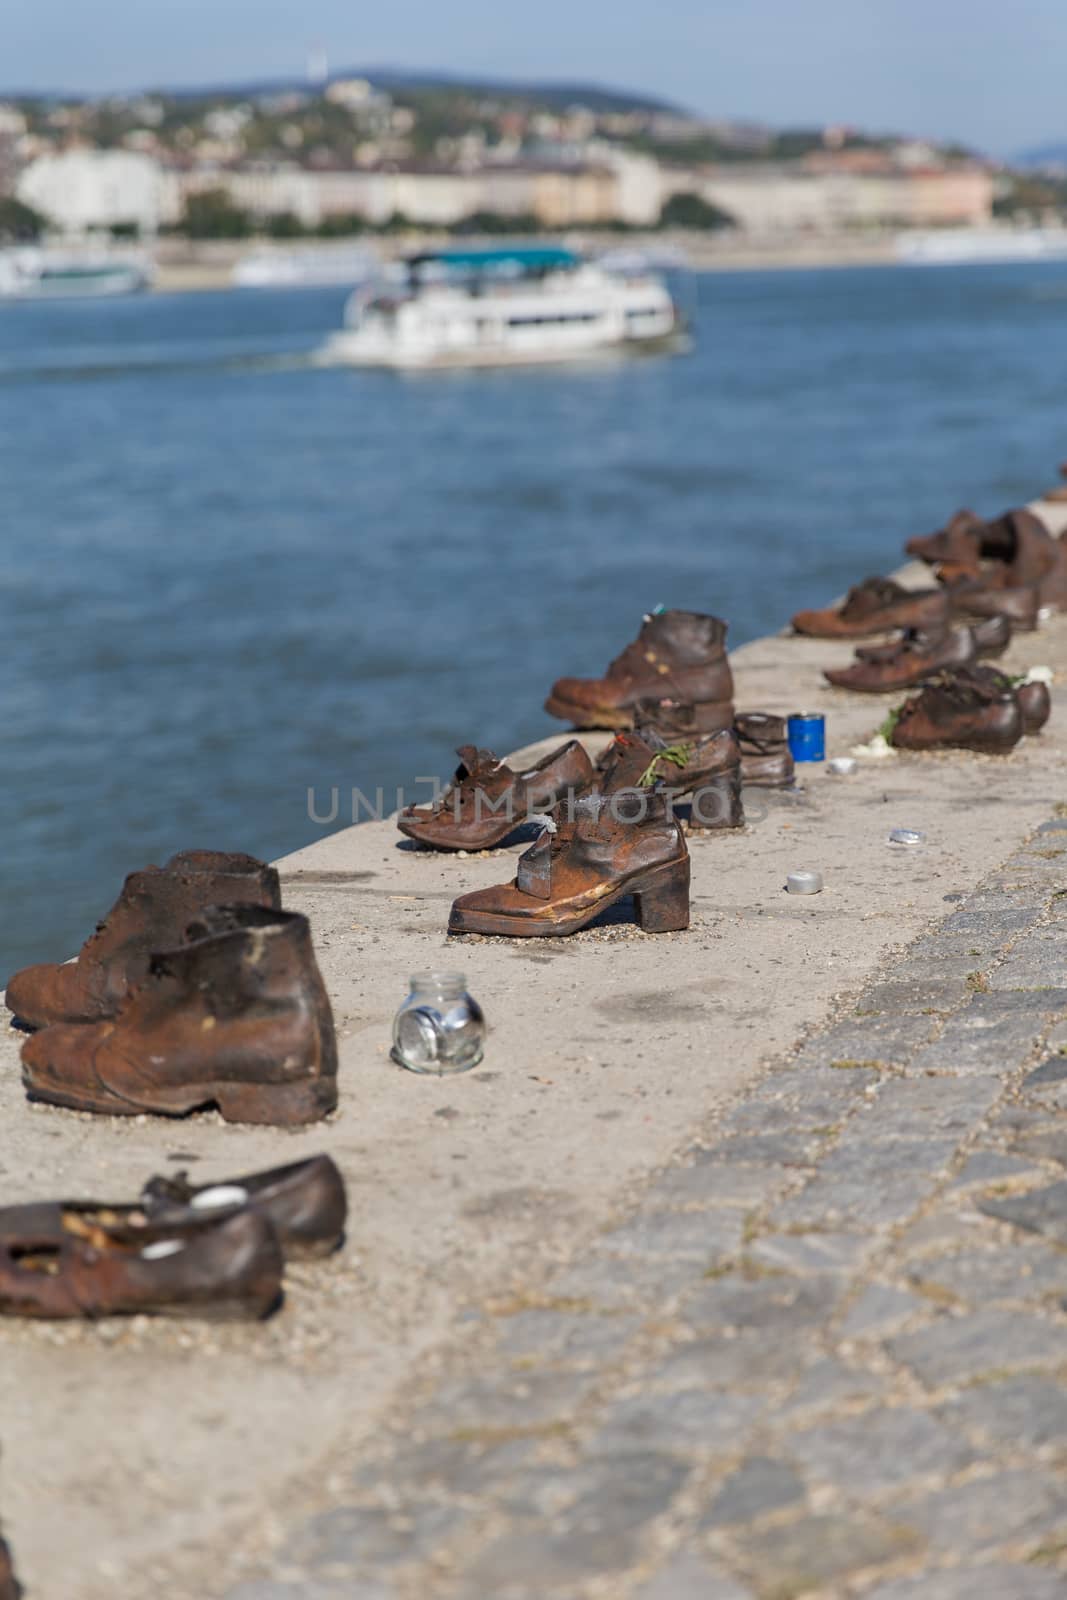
(677, 653)
(971, 597)
(953, 713)
(71, 1262)
(152, 912)
(915, 657)
(487, 800)
(618, 841)
(237, 1018)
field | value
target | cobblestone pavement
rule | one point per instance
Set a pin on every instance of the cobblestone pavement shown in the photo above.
(825, 1355)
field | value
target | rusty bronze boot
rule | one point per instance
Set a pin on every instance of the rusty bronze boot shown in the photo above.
(238, 1018)
(677, 653)
(953, 713)
(487, 800)
(152, 913)
(619, 841)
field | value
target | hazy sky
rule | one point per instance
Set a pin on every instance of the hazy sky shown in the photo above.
(992, 74)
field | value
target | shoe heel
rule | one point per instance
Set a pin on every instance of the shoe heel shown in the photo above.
(718, 804)
(662, 902)
(284, 1105)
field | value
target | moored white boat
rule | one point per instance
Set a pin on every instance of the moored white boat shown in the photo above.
(305, 268)
(961, 246)
(503, 307)
(31, 272)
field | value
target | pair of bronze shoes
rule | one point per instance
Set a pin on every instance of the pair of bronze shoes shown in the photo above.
(978, 708)
(1011, 562)
(621, 838)
(196, 990)
(210, 1250)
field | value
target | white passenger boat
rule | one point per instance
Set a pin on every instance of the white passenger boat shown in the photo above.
(31, 272)
(504, 307)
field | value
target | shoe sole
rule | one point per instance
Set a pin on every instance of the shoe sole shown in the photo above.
(661, 902)
(287, 1105)
(497, 836)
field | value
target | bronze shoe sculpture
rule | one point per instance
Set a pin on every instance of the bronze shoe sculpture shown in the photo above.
(707, 767)
(237, 1018)
(991, 635)
(877, 605)
(10, 1588)
(60, 1261)
(766, 759)
(618, 841)
(681, 654)
(969, 598)
(305, 1202)
(151, 913)
(487, 800)
(952, 714)
(1033, 699)
(1012, 552)
(913, 658)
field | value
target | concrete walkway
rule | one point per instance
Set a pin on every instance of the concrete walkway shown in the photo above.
(187, 1459)
(826, 1351)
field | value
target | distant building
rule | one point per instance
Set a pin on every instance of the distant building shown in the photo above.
(774, 198)
(80, 190)
(12, 131)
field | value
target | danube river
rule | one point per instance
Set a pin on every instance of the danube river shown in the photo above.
(230, 576)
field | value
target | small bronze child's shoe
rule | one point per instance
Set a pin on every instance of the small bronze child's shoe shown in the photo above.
(487, 800)
(60, 1261)
(151, 913)
(305, 1201)
(237, 1018)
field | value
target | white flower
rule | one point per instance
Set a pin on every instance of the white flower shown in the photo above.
(1040, 675)
(876, 750)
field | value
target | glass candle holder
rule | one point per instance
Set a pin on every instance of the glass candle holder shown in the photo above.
(439, 1028)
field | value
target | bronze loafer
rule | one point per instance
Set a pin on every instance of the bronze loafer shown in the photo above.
(71, 1261)
(916, 657)
(305, 1201)
(487, 800)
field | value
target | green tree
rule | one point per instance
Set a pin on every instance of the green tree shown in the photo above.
(690, 211)
(285, 225)
(213, 215)
(19, 221)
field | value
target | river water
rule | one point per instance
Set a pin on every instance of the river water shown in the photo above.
(230, 576)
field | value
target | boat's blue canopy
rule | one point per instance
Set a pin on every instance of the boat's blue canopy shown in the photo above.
(502, 258)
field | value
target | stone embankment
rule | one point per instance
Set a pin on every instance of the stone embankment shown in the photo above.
(735, 1271)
